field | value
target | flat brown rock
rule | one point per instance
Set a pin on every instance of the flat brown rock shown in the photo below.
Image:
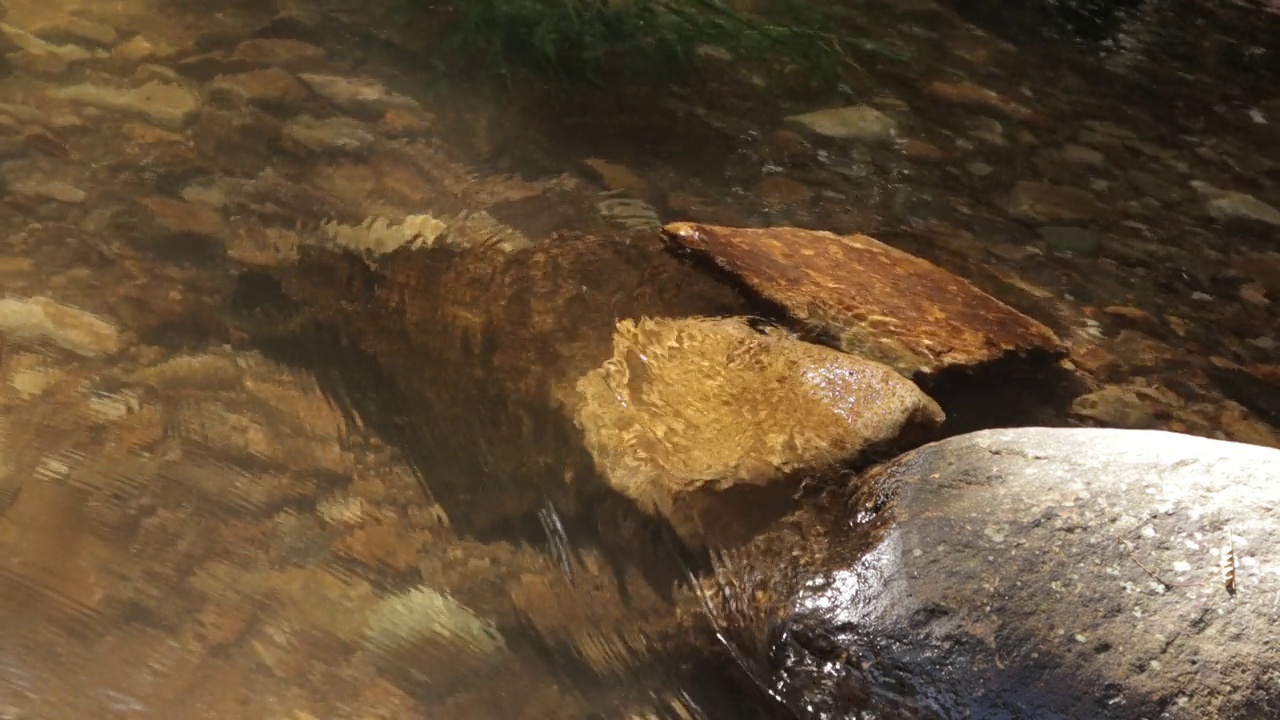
(872, 299)
(711, 424)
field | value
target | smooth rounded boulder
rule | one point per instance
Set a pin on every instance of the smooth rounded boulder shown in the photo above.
(1029, 573)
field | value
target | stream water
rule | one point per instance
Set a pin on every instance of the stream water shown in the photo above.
(194, 523)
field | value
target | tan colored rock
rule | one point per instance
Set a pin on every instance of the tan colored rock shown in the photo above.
(268, 86)
(308, 134)
(782, 190)
(41, 321)
(856, 122)
(1040, 202)
(50, 190)
(167, 104)
(40, 56)
(615, 176)
(872, 299)
(358, 94)
(179, 216)
(277, 51)
(710, 423)
(133, 49)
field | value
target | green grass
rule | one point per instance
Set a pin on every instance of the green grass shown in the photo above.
(589, 40)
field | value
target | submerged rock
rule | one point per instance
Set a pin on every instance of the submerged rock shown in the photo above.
(857, 122)
(711, 424)
(358, 94)
(1230, 205)
(1029, 573)
(42, 321)
(306, 133)
(166, 104)
(1040, 202)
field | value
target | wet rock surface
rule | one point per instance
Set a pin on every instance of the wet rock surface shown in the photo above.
(712, 424)
(872, 299)
(1030, 573)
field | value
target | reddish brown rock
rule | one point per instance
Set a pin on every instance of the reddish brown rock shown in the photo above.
(271, 86)
(967, 93)
(872, 299)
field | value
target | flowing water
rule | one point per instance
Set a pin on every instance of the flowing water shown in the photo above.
(211, 508)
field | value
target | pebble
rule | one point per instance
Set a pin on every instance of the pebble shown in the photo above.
(1229, 205)
(278, 51)
(1115, 406)
(856, 122)
(358, 95)
(1045, 202)
(269, 86)
(170, 105)
(41, 321)
(44, 57)
(308, 134)
(1081, 155)
(186, 218)
(1074, 240)
(615, 176)
(923, 151)
(967, 93)
(51, 190)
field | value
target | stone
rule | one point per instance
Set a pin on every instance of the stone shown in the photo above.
(308, 134)
(1115, 406)
(1262, 267)
(1074, 240)
(923, 151)
(382, 545)
(39, 321)
(1235, 422)
(278, 51)
(167, 104)
(856, 122)
(1229, 205)
(1253, 294)
(1110, 129)
(979, 169)
(1253, 387)
(204, 372)
(873, 299)
(50, 190)
(358, 95)
(41, 56)
(134, 49)
(782, 190)
(1040, 202)
(1139, 351)
(1154, 186)
(1032, 573)
(970, 94)
(1081, 155)
(711, 424)
(432, 638)
(400, 122)
(617, 177)
(269, 86)
(187, 218)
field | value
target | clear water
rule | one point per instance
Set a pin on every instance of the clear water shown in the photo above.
(211, 508)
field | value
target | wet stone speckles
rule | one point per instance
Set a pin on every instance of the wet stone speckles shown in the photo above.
(1147, 545)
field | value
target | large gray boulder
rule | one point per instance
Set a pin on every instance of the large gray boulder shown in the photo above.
(1031, 573)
